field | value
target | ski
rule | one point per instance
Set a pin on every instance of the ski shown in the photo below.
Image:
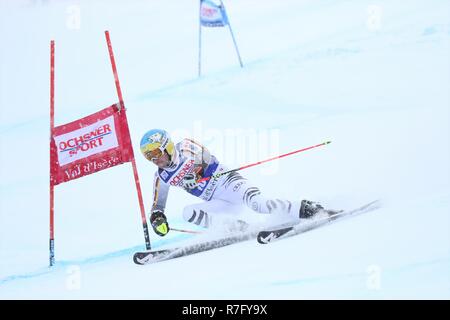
(283, 231)
(280, 231)
(153, 256)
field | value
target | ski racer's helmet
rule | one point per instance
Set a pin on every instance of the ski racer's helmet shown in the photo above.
(155, 142)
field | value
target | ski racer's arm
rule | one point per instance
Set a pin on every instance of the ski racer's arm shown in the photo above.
(157, 218)
(202, 157)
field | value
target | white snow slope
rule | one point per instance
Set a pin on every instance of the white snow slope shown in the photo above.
(372, 76)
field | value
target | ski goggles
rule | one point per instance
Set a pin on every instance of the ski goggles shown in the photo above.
(154, 154)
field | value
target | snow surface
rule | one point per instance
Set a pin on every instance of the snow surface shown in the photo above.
(372, 76)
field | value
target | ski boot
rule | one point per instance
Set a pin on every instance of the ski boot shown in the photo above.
(309, 209)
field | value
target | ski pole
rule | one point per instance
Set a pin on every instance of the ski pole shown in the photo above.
(263, 161)
(186, 231)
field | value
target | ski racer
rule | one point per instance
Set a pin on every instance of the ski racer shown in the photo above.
(184, 163)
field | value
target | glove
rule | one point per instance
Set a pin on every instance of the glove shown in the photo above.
(189, 181)
(159, 223)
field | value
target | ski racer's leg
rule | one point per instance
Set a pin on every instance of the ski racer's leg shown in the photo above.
(239, 190)
(213, 213)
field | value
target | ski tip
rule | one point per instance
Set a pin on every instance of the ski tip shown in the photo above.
(375, 203)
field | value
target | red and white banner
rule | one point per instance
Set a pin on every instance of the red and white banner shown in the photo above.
(88, 145)
(93, 143)
(212, 15)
